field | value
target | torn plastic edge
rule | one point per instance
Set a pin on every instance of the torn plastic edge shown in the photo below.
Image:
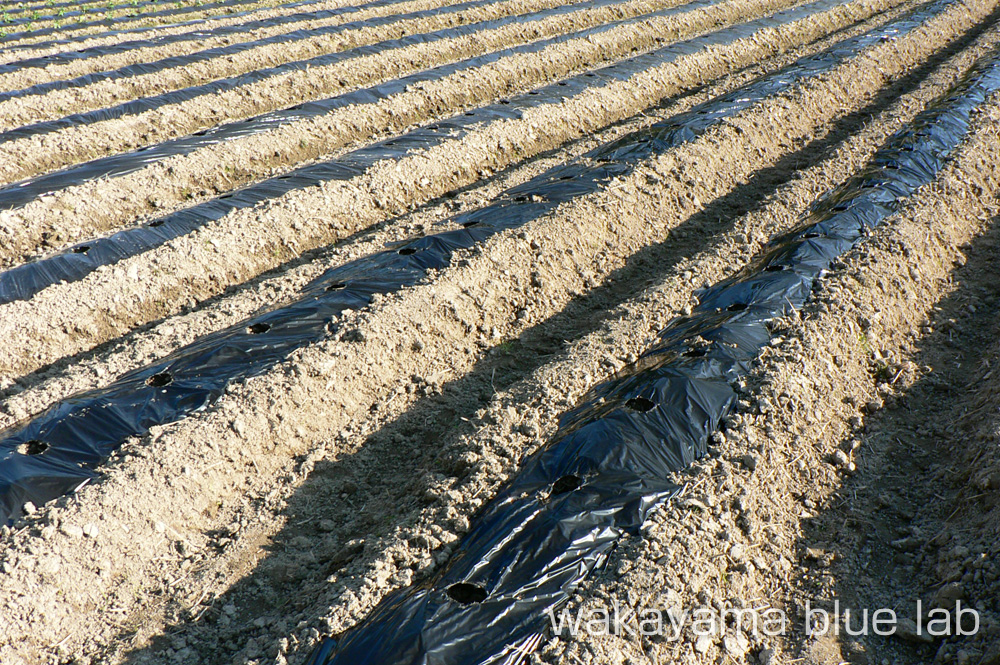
(614, 446)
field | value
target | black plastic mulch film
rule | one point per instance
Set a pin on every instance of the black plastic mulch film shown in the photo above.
(605, 469)
(104, 9)
(139, 11)
(24, 191)
(161, 39)
(64, 57)
(177, 96)
(24, 7)
(79, 260)
(175, 11)
(144, 104)
(55, 451)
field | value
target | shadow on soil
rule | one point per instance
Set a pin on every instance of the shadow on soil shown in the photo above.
(234, 290)
(367, 495)
(914, 523)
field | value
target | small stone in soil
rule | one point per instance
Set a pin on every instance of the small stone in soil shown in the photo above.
(703, 643)
(72, 530)
(906, 629)
(736, 645)
(948, 595)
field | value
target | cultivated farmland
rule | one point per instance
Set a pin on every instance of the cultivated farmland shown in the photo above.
(388, 332)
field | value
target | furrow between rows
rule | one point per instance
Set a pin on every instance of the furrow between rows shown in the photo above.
(67, 49)
(147, 121)
(295, 406)
(84, 84)
(29, 37)
(352, 202)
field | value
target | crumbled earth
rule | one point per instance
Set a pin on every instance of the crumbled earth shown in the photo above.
(861, 469)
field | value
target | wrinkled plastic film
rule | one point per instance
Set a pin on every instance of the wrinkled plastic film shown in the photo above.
(150, 103)
(86, 428)
(81, 259)
(653, 419)
(65, 57)
(176, 11)
(187, 59)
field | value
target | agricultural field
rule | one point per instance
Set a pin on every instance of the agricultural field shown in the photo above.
(499, 332)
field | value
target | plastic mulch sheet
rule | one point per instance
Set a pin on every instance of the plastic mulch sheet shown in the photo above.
(609, 463)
